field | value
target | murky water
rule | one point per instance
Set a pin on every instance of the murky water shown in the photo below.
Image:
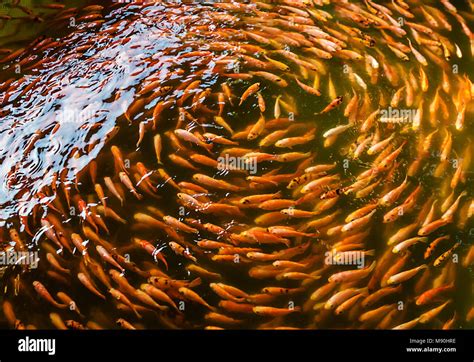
(82, 108)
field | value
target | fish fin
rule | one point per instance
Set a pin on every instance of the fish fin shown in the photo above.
(370, 252)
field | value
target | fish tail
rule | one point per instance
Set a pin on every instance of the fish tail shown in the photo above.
(195, 282)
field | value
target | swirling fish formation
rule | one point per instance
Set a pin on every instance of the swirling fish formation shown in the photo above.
(241, 165)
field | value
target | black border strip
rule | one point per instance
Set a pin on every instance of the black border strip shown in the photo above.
(314, 345)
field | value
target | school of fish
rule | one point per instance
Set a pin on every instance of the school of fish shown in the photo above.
(282, 165)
